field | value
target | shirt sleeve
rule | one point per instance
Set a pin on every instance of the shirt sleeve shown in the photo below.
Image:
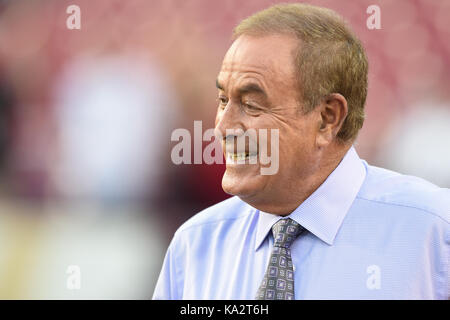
(167, 286)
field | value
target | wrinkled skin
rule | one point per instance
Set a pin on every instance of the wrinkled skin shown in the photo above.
(258, 89)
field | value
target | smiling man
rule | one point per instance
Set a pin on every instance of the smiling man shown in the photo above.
(325, 225)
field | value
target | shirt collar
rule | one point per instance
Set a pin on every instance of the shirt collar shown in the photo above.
(323, 212)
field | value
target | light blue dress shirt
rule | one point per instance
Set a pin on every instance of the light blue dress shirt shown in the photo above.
(371, 234)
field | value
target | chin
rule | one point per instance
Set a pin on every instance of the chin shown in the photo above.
(243, 187)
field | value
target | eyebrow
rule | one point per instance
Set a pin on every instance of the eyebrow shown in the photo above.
(218, 85)
(246, 88)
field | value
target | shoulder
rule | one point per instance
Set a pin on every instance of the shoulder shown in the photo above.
(227, 211)
(397, 190)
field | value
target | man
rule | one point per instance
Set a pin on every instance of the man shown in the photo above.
(326, 225)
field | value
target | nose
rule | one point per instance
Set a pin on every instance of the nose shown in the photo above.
(228, 122)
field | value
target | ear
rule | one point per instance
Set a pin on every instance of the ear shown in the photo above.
(332, 113)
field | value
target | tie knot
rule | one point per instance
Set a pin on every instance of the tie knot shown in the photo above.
(285, 231)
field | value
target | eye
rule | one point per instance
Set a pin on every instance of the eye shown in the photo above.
(251, 108)
(223, 101)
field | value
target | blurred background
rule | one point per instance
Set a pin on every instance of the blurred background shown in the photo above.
(86, 118)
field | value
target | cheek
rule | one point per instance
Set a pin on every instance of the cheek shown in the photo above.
(290, 148)
(218, 116)
(295, 143)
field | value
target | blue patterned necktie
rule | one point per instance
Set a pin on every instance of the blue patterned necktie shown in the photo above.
(278, 282)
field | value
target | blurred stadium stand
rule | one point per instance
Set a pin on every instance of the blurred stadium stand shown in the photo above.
(86, 117)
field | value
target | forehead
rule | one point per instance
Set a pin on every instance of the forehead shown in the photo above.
(269, 58)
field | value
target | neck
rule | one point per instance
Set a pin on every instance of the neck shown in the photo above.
(298, 190)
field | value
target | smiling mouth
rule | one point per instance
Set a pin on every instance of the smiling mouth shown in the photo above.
(241, 157)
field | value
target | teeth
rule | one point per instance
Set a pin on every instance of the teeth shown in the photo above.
(240, 156)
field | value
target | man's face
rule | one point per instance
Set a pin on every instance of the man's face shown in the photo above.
(258, 89)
